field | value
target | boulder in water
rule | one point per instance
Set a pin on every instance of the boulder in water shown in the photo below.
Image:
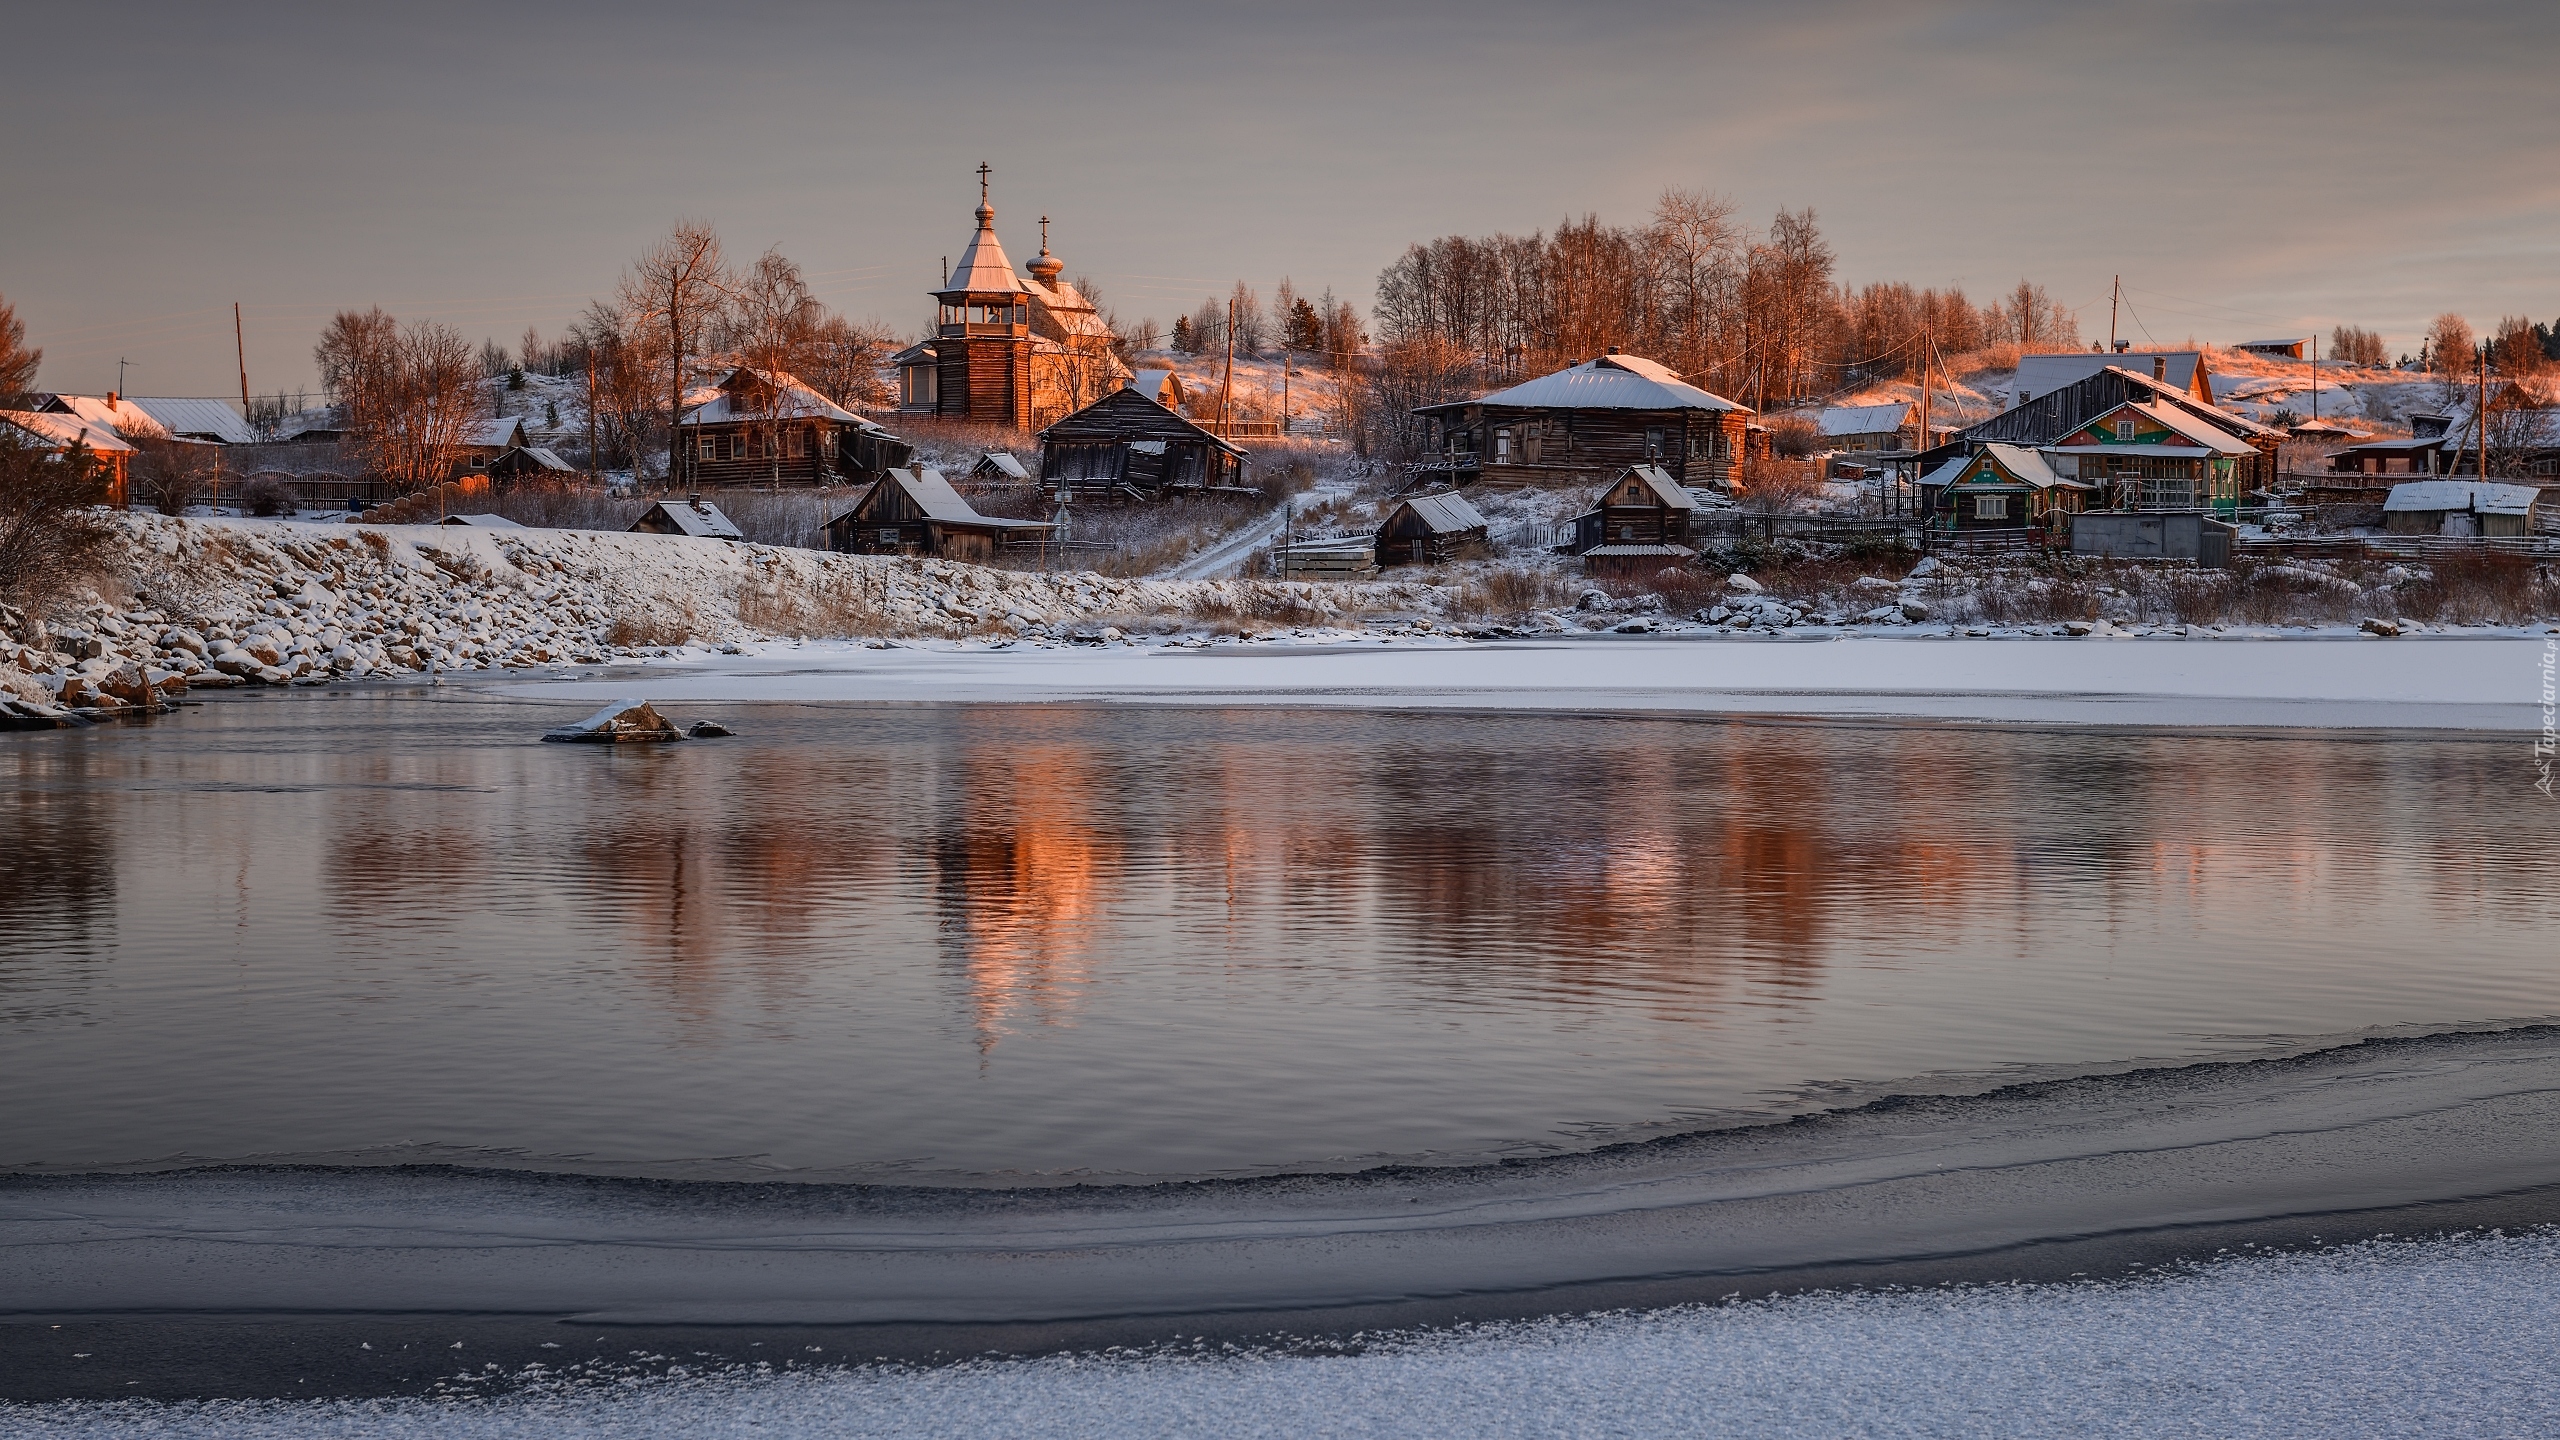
(709, 730)
(624, 722)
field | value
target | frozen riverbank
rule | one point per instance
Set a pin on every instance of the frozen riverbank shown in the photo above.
(2436, 1338)
(2100, 1175)
(2336, 679)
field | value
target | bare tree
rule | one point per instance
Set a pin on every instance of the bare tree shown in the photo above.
(1252, 330)
(774, 321)
(2353, 345)
(2449, 344)
(845, 360)
(17, 363)
(410, 394)
(680, 289)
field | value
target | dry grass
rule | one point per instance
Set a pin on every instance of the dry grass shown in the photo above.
(844, 604)
(1512, 592)
(1259, 604)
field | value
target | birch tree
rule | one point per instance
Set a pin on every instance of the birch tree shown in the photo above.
(681, 290)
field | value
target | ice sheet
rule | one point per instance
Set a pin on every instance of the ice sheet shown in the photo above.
(2475, 682)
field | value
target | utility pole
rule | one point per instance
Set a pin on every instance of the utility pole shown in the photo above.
(593, 471)
(1284, 388)
(2480, 417)
(121, 362)
(2315, 377)
(1928, 354)
(1227, 386)
(240, 351)
(2112, 297)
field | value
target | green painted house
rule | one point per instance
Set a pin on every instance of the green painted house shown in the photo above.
(2152, 456)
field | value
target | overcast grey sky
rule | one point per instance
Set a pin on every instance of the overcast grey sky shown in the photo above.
(2250, 168)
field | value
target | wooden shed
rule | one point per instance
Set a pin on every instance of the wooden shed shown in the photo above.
(1432, 530)
(1126, 441)
(2460, 508)
(1643, 506)
(687, 517)
(531, 462)
(916, 512)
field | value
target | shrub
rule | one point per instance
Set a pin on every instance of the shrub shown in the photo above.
(53, 532)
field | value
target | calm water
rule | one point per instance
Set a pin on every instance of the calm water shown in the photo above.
(960, 943)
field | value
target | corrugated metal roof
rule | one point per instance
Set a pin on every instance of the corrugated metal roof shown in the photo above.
(1612, 382)
(483, 522)
(2193, 428)
(1680, 552)
(2485, 497)
(2041, 375)
(202, 419)
(1445, 514)
(1865, 419)
(56, 429)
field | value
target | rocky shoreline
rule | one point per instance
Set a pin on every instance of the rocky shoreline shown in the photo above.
(215, 603)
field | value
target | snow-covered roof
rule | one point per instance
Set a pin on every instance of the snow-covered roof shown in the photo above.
(2179, 422)
(56, 430)
(1611, 382)
(1444, 514)
(2294, 344)
(2484, 497)
(195, 419)
(498, 432)
(793, 400)
(483, 522)
(2041, 375)
(1865, 419)
(2026, 464)
(692, 517)
(1004, 463)
(1675, 552)
(2395, 445)
(943, 505)
(1664, 488)
(326, 418)
(983, 266)
(542, 459)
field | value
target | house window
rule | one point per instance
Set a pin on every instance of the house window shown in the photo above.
(1501, 447)
(710, 445)
(1990, 507)
(2124, 428)
(888, 537)
(799, 443)
(1653, 444)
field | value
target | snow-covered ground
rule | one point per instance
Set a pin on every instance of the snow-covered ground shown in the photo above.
(2447, 1337)
(2331, 679)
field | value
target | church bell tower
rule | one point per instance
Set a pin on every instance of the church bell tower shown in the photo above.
(983, 339)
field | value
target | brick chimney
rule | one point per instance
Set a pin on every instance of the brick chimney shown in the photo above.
(2160, 367)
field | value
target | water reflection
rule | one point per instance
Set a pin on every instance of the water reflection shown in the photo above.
(1186, 939)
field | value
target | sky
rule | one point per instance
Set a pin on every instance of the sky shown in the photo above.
(2250, 169)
